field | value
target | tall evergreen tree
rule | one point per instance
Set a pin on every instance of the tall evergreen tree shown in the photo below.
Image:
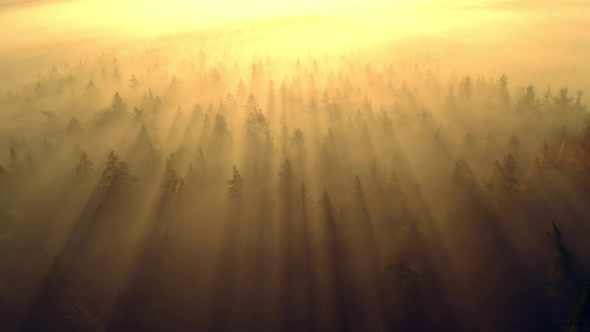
(236, 184)
(84, 169)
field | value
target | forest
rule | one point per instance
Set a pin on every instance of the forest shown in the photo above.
(179, 184)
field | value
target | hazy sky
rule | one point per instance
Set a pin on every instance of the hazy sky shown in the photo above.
(148, 16)
(521, 35)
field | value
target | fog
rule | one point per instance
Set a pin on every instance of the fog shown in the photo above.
(294, 166)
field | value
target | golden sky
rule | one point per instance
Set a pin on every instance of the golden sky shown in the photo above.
(148, 16)
(497, 30)
(162, 16)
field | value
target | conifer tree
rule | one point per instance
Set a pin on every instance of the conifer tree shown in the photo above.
(84, 168)
(116, 176)
(236, 184)
(562, 270)
(74, 126)
(504, 180)
(118, 106)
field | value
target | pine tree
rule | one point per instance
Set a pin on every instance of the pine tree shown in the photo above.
(74, 126)
(504, 180)
(172, 184)
(251, 105)
(312, 106)
(147, 150)
(561, 272)
(562, 101)
(504, 96)
(286, 176)
(84, 168)
(116, 176)
(138, 114)
(221, 133)
(236, 184)
(528, 101)
(118, 106)
(466, 88)
(258, 124)
(298, 139)
(174, 84)
(547, 102)
(133, 82)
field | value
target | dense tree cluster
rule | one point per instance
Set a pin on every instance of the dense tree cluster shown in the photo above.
(333, 195)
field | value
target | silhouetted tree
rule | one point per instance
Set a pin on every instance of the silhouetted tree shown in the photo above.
(118, 105)
(466, 88)
(562, 101)
(312, 106)
(528, 101)
(547, 102)
(504, 96)
(258, 125)
(74, 126)
(298, 139)
(464, 182)
(116, 176)
(133, 82)
(561, 272)
(221, 133)
(146, 149)
(504, 180)
(172, 184)
(236, 184)
(84, 169)
(138, 114)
